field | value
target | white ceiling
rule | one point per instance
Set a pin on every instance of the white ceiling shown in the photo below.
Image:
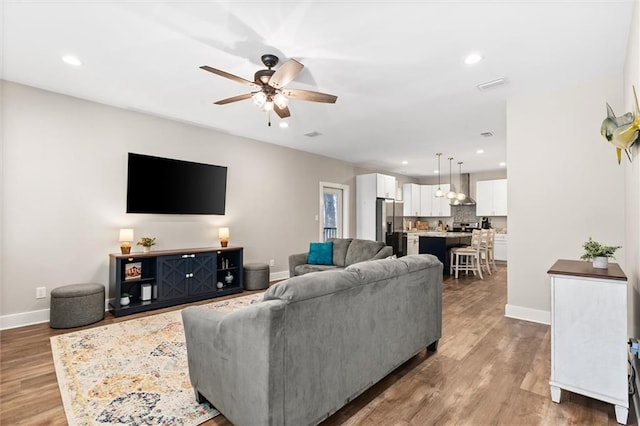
(404, 92)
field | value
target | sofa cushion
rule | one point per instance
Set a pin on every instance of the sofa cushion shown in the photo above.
(361, 250)
(320, 253)
(306, 268)
(340, 246)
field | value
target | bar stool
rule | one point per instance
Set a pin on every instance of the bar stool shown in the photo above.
(467, 258)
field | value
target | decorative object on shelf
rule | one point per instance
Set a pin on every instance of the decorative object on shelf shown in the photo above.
(622, 132)
(146, 243)
(145, 292)
(229, 277)
(126, 237)
(439, 192)
(599, 253)
(133, 271)
(124, 299)
(219, 285)
(460, 196)
(452, 190)
(223, 234)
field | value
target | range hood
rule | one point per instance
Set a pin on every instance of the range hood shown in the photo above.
(464, 188)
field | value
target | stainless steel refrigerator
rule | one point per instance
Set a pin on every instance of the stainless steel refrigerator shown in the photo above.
(389, 224)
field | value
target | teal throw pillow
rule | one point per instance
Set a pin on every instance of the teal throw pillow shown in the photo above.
(320, 253)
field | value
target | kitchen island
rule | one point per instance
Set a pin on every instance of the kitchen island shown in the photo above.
(440, 244)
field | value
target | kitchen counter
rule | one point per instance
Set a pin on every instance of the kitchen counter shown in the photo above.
(446, 234)
(439, 244)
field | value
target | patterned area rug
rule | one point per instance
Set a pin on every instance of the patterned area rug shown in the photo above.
(134, 372)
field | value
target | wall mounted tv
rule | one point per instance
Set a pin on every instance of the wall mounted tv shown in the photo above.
(167, 186)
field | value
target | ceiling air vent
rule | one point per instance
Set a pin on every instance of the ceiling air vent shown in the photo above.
(313, 134)
(486, 134)
(491, 84)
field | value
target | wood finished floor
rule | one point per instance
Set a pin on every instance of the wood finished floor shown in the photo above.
(488, 370)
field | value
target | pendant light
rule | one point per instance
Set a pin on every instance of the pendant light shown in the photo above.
(452, 190)
(439, 192)
(460, 196)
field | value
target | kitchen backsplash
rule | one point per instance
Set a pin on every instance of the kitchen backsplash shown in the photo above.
(464, 214)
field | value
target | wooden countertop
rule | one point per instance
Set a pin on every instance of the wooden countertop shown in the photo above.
(154, 253)
(582, 268)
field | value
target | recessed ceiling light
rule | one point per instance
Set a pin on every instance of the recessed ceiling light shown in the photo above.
(503, 164)
(284, 124)
(480, 151)
(71, 60)
(473, 58)
(405, 162)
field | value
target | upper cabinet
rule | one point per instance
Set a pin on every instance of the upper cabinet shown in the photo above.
(411, 199)
(419, 201)
(441, 206)
(491, 197)
(385, 186)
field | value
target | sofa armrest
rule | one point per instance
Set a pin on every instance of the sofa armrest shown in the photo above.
(295, 260)
(236, 360)
(384, 252)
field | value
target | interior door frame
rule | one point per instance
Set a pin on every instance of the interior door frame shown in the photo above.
(345, 208)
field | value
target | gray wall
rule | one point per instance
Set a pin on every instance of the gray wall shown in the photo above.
(64, 190)
(564, 185)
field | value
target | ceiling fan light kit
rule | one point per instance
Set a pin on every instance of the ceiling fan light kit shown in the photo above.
(270, 96)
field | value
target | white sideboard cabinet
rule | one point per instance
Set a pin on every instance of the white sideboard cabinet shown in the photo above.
(589, 333)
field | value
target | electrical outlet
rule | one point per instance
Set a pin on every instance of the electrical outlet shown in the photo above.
(272, 262)
(41, 292)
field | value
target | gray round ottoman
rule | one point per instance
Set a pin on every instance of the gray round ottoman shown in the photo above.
(76, 305)
(256, 276)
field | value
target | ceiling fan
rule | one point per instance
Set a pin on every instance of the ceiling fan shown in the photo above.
(271, 94)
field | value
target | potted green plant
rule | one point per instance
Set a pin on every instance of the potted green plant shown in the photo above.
(146, 243)
(124, 299)
(598, 252)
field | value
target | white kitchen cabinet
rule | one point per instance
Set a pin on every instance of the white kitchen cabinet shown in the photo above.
(426, 200)
(500, 247)
(411, 197)
(413, 243)
(385, 186)
(589, 333)
(441, 206)
(491, 197)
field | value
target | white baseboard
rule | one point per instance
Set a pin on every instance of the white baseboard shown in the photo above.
(527, 314)
(24, 318)
(282, 275)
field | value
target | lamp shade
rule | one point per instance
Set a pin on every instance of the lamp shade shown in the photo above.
(223, 234)
(126, 235)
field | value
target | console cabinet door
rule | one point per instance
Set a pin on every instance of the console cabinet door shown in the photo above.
(172, 277)
(202, 273)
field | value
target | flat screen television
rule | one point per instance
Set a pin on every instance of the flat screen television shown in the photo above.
(167, 186)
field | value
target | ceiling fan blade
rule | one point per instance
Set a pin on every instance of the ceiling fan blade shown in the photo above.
(287, 72)
(234, 99)
(229, 76)
(282, 112)
(309, 95)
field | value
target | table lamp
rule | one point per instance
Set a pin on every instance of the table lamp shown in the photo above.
(223, 234)
(126, 236)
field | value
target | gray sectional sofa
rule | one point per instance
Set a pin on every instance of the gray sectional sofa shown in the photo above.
(315, 342)
(346, 251)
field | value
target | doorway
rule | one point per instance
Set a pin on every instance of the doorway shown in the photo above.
(334, 211)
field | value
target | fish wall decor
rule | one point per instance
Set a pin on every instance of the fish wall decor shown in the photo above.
(622, 132)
